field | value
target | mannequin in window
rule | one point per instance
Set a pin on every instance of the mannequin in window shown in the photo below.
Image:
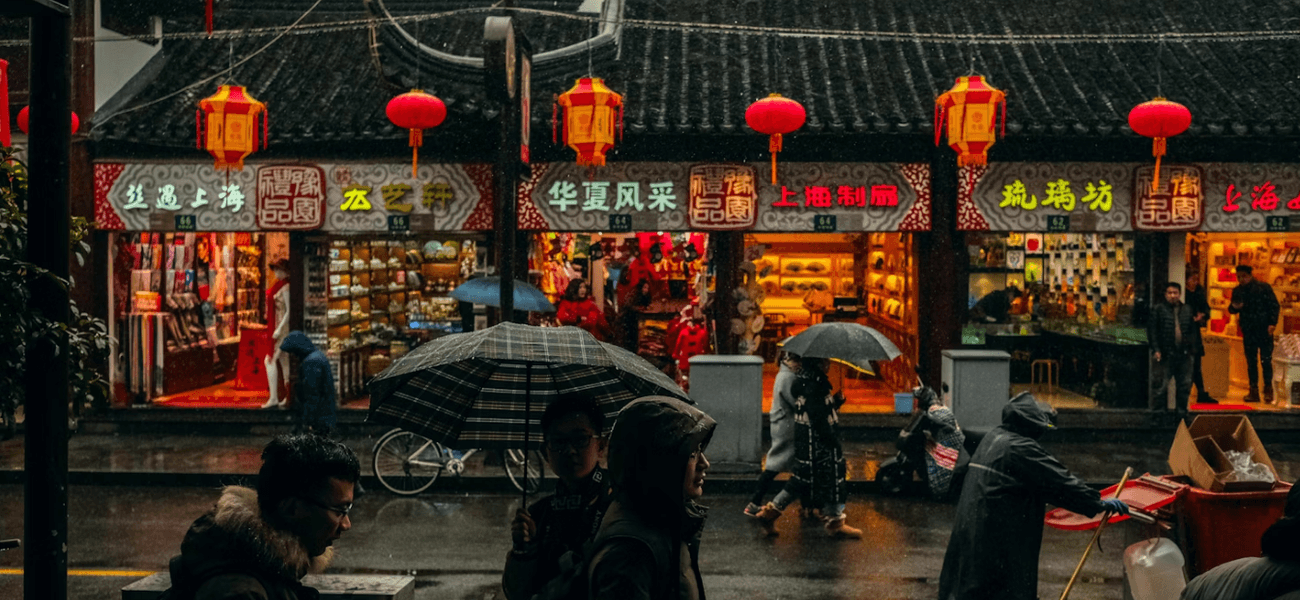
(277, 323)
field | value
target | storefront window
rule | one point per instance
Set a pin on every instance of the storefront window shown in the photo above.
(1066, 306)
(187, 308)
(868, 278)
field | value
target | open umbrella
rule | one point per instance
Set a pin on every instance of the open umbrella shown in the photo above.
(487, 290)
(846, 342)
(488, 388)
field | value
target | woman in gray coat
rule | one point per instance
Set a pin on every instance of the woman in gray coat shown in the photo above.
(780, 457)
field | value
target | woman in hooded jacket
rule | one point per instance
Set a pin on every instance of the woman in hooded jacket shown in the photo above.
(649, 541)
(819, 468)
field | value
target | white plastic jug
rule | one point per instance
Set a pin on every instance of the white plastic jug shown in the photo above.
(1155, 570)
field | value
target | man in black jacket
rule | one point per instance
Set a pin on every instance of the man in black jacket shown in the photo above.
(258, 544)
(998, 531)
(1175, 339)
(1200, 305)
(1257, 309)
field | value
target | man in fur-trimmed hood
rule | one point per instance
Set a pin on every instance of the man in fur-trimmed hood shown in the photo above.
(258, 544)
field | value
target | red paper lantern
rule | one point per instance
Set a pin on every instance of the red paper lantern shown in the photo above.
(226, 126)
(593, 115)
(1159, 119)
(416, 111)
(775, 116)
(970, 110)
(22, 120)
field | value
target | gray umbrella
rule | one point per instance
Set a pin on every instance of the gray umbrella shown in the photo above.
(850, 343)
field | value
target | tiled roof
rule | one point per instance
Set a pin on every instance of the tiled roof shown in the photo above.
(690, 80)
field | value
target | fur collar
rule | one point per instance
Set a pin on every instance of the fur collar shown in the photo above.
(274, 550)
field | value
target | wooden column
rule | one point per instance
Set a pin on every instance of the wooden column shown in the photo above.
(728, 248)
(943, 280)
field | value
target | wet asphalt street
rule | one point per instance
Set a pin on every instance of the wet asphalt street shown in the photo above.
(455, 546)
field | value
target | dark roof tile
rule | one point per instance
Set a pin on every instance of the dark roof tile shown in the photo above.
(674, 81)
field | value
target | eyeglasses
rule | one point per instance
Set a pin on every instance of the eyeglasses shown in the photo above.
(575, 442)
(341, 511)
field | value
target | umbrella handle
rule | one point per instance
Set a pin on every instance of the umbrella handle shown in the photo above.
(528, 417)
(1105, 517)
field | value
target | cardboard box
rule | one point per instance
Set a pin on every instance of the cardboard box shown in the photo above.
(1198, 452)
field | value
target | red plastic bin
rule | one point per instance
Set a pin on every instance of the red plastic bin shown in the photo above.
(1225, 526)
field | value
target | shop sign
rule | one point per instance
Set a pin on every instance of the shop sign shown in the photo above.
(368, 197)
(1032, 196)
(1241, 197)
(154, 197)
(723, 197)
(684, 196)
(1179, 204)
(290, 197)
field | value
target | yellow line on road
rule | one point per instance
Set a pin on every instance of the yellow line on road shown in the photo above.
(89, 573)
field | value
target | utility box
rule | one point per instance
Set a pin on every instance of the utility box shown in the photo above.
(730, 389)
(976, 385)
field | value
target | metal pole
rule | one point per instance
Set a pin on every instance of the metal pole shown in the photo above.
(45, 559)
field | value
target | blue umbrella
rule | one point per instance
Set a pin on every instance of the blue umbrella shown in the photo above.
(487, 290)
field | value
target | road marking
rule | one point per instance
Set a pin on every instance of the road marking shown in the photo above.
(89, 573)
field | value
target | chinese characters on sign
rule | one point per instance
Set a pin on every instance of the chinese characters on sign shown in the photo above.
(722, 197)
(231, 196)
(1263, 198)
(821, 196)
(1178, 205)
(1060, 195)
(290, 197)
(595, 196)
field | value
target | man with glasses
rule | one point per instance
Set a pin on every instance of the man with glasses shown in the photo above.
(259, 543)
(573, 444)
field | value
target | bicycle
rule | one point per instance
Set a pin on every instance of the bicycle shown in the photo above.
(408, 463)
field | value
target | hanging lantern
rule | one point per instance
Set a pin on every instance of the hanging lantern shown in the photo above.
(593, 114)
(416, 111)
(23, 122)
(226, 126)
(775, 116)
(1159, 119)
(969, 108)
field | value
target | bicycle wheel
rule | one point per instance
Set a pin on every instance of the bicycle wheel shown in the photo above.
(407, 463)
(514, 462)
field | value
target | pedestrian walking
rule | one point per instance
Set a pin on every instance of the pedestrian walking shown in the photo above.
(819, 467)
(569, 518)
(649, 542)
(315, 395)
(1200, 305)
(993, 551)
(1175, 340)
(1275, 575)
(780, 457)
(258, 544)
(1256, 307)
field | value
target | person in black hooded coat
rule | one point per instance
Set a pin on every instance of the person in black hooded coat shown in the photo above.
(998, 531)
(648, 546)
(316, 400)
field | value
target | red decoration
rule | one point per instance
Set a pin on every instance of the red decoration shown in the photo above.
(22, 120)
(226, 126)
(593, 116)
(416, 111)
(970, 109)
(1159, 119)
(775, 116)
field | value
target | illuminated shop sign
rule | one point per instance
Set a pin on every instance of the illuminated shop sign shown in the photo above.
(727, 196)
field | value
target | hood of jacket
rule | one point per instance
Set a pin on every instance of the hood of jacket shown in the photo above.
(648, 448)
(233, 537)
(298, 344)
(1025, 415)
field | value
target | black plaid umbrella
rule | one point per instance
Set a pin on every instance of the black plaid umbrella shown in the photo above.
(473, 390)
